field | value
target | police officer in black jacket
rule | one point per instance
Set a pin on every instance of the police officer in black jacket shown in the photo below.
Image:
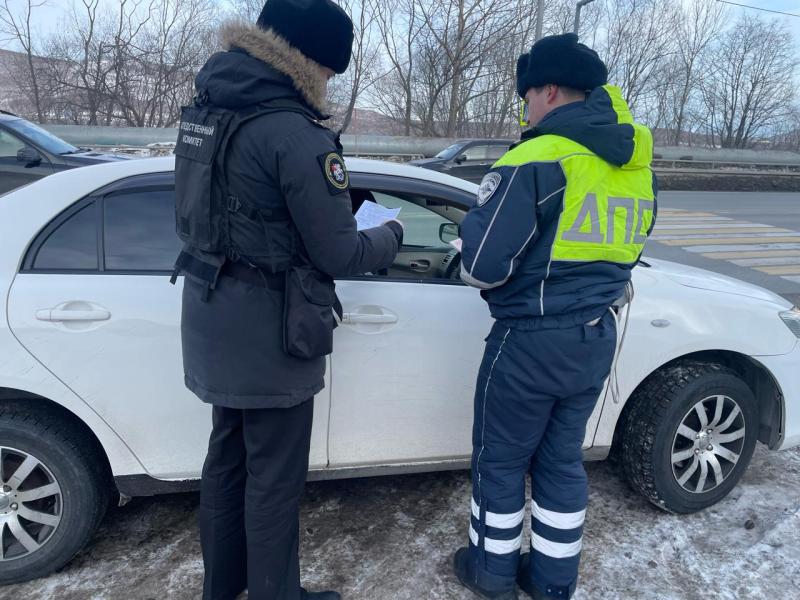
(264, 210)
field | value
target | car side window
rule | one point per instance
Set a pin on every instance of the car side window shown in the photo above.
(421, 225)
(429, 225)
(139, 231)
(72, 246)
(9, 145)
(497, 152)
(476, 153)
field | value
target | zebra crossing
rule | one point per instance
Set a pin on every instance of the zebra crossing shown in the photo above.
(765, 248)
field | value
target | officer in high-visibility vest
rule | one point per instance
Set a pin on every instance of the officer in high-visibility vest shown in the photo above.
(559, 223)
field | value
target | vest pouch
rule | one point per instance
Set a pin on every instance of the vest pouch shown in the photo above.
(309, 313)
(198, 205)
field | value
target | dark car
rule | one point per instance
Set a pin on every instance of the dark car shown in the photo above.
(467, 159)
(28, 153)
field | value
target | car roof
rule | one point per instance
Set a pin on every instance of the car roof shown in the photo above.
(87, 179)
(497, 141)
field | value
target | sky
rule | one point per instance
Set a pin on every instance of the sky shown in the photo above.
(47, 20)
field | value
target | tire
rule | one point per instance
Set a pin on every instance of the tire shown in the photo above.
(61, 522)
(664, 444)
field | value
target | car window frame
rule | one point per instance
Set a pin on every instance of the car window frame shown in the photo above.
(392, 184)
(25, 143)
(162, 181)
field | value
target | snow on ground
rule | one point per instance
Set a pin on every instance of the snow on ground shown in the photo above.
(393, 537)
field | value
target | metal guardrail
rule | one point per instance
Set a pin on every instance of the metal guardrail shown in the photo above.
(148, 141)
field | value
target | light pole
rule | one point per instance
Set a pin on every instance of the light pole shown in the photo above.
(539, 19)
(578, 8)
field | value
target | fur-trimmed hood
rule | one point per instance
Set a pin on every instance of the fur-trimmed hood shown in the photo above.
(260, 66)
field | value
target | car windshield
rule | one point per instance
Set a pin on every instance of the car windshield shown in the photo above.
(40, 137)
(450, 151)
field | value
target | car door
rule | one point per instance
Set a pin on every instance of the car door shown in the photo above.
(14, 172)
(475, 163)
(93, 303)
(406, 356)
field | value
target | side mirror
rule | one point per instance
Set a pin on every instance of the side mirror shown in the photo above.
(30, 157)
(449, 232)
(461, 159)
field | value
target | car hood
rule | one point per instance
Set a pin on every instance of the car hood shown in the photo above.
(701, 279)
(91, 157)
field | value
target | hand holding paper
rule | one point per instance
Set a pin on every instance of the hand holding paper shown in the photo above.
(371, 215)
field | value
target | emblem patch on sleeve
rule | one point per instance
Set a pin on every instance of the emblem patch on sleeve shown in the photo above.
(335, 172)
(489, 185)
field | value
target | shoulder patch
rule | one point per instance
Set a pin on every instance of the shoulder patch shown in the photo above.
(489, 185)
(335, 172)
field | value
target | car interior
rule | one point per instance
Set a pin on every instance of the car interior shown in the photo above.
(430, 225)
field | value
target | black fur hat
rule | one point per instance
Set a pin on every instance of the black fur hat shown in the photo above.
(320, 29)
(560, 60)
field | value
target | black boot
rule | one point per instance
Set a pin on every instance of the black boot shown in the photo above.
(304, 595)
(461, 568)
(527, 586)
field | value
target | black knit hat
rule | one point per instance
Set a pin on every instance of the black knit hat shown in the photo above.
(320, 29)
(560, 60)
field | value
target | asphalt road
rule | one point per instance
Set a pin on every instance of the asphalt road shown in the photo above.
(750, 236)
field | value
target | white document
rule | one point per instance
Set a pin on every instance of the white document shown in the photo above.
(456, 244)
(371, 215)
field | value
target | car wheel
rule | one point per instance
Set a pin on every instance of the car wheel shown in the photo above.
(52, 497)
(689, 435)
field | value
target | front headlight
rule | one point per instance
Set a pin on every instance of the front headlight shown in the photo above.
(792, 320)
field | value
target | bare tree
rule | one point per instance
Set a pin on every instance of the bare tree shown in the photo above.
(749, 84)
(699, 27)
(344, 91)
(15, 26)
(399, 26)
(639, 39)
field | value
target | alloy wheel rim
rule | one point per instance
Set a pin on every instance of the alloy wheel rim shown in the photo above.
(708, 444)
(31, 504)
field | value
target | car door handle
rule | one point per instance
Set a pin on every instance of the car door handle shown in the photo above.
(420, 266)
(362, 318)
(57, 315)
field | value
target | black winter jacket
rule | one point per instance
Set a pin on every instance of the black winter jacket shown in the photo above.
(233, 340)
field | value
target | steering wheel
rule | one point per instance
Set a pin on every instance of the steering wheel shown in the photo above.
(452, 262)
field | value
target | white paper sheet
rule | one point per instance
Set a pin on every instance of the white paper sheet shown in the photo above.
(371, 215)
(456, 244)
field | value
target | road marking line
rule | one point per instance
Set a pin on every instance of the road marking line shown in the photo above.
(742, 247)
(756, 254)
(793, 279)
(738, 240)
(767, 262)
(719, 226)
(682, 219)
(770, 232)
(660, 237)
(791, 270)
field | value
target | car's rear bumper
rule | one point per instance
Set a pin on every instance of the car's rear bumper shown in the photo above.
(786, 371)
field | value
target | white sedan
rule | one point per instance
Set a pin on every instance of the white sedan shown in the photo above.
(93, 406)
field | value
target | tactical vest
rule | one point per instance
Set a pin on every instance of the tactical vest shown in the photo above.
(209, 215)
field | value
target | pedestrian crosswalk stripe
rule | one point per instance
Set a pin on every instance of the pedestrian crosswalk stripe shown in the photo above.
(753, 254)
(742, 247)
(767, 262)
(715, 225)
(733, 240)
(671, 236)
(783, 270)
(666, 219)
(767, 249)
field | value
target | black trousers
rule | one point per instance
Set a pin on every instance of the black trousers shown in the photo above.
(253, 479)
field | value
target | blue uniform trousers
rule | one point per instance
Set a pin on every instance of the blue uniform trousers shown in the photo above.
(537, 386)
